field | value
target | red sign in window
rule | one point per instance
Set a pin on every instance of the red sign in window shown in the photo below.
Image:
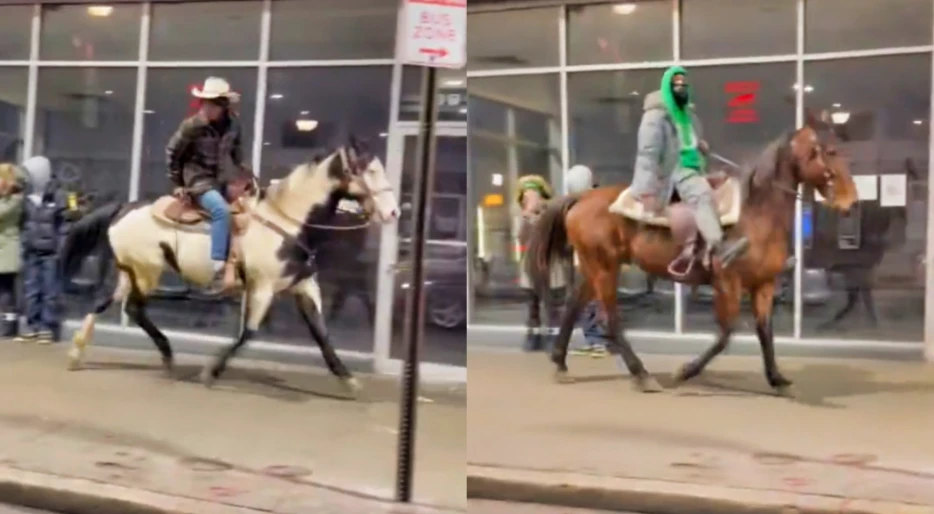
(741, 103)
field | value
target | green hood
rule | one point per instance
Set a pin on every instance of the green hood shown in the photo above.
(691, 157)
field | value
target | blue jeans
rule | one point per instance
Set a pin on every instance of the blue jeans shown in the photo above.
(43, 290)
(594, 331)
(215, 204)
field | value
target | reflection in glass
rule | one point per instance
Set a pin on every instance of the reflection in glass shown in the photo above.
(841, 25)
(333, 29)
(514, 131)
(205, 31)
(177, 305)
(343, 101)
(452, 94)
(15, 31)
(492, 43)
(84, 125)
(713, 29)
(445, 255)
(864, 276)
(90, 32)
(619, 33)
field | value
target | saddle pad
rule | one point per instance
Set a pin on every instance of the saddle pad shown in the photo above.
(727, 197)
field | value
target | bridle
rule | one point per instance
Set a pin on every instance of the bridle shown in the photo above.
(789, 143)
(342, 152)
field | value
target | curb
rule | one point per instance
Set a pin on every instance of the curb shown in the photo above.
(660, 497)
(79, 496)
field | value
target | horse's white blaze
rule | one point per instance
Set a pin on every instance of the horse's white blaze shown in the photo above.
(383, 196)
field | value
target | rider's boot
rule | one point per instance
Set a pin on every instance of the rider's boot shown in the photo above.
(217, 286)
(726, 252)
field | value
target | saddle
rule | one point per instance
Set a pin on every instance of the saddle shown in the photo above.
(727, 198)
(190, 217)
(170, 210)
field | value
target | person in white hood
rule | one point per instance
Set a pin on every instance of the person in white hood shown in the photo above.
(45, 212)
(578, 179)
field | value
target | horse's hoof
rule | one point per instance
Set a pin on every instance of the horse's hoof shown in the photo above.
(682, 375)
(168, 366)
(785, 390)
(562, 377)
(207, 377)
(352, 385)
(74, 364)
(648, 384)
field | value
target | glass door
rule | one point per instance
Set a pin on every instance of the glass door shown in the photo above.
(445, 268)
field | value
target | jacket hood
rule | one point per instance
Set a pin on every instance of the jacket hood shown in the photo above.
(39, 170)
(652, 101)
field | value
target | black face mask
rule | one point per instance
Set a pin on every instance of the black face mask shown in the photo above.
(680, 93)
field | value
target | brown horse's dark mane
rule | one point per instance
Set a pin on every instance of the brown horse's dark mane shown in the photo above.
(770, 182)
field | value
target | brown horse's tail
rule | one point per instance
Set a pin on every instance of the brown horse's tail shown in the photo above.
(548, 242)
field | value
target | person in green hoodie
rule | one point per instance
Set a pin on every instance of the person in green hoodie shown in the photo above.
(671, 159)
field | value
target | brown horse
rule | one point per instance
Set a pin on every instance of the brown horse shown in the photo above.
(603, 241)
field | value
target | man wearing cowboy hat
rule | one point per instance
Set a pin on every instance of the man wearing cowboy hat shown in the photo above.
(203, 154)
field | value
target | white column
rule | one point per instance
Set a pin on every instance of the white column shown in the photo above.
(262, 79)
(512, 178)
(389, 236)
(29, 130)
(929, 243)
(799, 121)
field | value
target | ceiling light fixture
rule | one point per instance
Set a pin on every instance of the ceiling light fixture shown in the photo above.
(807, 88)
(840, 117)
(918, 122)
(305, 113)
(101, 11)
(624, 9)
(836, 106)
(306, 125)
(276, 96)
(454, 82)
(109, 92)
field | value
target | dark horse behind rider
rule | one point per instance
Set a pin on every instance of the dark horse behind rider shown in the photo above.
(603, 241)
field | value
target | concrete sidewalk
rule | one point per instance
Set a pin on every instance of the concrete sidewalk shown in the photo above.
(265, 439)
(859, 437)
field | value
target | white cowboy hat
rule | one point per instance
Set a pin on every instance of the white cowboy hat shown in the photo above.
(215, 87)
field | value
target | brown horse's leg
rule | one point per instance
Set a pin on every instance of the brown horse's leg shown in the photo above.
(762, 301)
(604, 284)
(726, 302)
(572, 310)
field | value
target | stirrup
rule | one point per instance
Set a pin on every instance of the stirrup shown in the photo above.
(680, 275)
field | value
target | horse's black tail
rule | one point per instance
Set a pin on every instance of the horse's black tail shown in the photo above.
(87, 235)
(548, 241)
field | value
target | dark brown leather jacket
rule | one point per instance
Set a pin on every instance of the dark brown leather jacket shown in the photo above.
(200, 158)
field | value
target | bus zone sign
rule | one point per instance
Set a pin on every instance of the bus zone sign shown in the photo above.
(436, 33)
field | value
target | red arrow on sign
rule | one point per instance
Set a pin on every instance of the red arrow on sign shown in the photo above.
(436, 52)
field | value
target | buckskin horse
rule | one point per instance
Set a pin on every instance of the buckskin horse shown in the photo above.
(277, 230)
(759, 204)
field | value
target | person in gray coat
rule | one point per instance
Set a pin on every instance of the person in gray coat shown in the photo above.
(671, 165)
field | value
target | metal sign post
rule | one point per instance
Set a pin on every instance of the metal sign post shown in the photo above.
(415, 304)
(435, 36)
